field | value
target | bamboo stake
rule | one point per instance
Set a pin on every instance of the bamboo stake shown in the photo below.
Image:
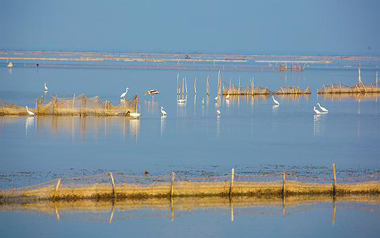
(283, 186)
(239, 86)
(56, 188)
(186, 85)
(232, 181)
(38, 106)
(217, 87)
(172, 185)
(113, 185)
(177, 85)
(195, 85)
(334, 179)
(183, 85)
(220, 86)
(207, 87)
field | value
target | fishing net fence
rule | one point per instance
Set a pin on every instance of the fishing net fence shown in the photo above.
(231, 89)
(75, 106)
(337, 88)
(292, 90)
(119, 185)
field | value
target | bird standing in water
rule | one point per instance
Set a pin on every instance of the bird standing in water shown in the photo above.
(164, 114)
(275, 101)
(29, 112)
(322, 108)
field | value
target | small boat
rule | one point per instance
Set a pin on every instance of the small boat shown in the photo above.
(10, 65)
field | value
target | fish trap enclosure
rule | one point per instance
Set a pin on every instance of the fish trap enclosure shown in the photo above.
(75, 106)
(340, 88)
(292, 90)
(121, 186)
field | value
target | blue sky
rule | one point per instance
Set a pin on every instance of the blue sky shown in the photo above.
(203, 26)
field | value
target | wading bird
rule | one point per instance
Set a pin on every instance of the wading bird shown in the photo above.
(322, 108)
(46, 88)
(275, 101)
(218, 113)
(203, 101)
(316, 111)
(163, 112)
(228, 96)
(29, 112)
(124, 94)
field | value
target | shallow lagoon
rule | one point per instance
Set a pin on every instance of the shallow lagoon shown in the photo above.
(250, 136)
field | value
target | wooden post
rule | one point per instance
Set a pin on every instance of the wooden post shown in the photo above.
(113, 185)
(186, 85)
(239, 86)
(217, 87)
(195, 85)
(232, 181)
(85, 104)
(283, 186)
(207, 87)
(334, 179)
(72, 108)
(177, 85)
(56, 188)
(172, 185)
(183, 86)
(38, 106)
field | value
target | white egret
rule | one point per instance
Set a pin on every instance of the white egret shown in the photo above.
(275, 101)
(316, 111)
(125, 93)
(203, 101)
(29, 112)
(322, 108)
(46, 88)
(218, 113)
(164, 114)
(228, 96)
(216, 98)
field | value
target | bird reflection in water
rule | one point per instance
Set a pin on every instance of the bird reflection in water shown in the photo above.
(29, 122)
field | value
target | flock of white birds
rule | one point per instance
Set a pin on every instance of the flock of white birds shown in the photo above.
(164, 113)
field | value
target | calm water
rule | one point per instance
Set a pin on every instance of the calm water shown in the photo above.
(316, 220)
(250, 135)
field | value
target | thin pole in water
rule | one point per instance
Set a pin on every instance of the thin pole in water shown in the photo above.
(334, 180)
(172, 185)
(195, 85)
(232, 181)
(56, 188)
(113, 185)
